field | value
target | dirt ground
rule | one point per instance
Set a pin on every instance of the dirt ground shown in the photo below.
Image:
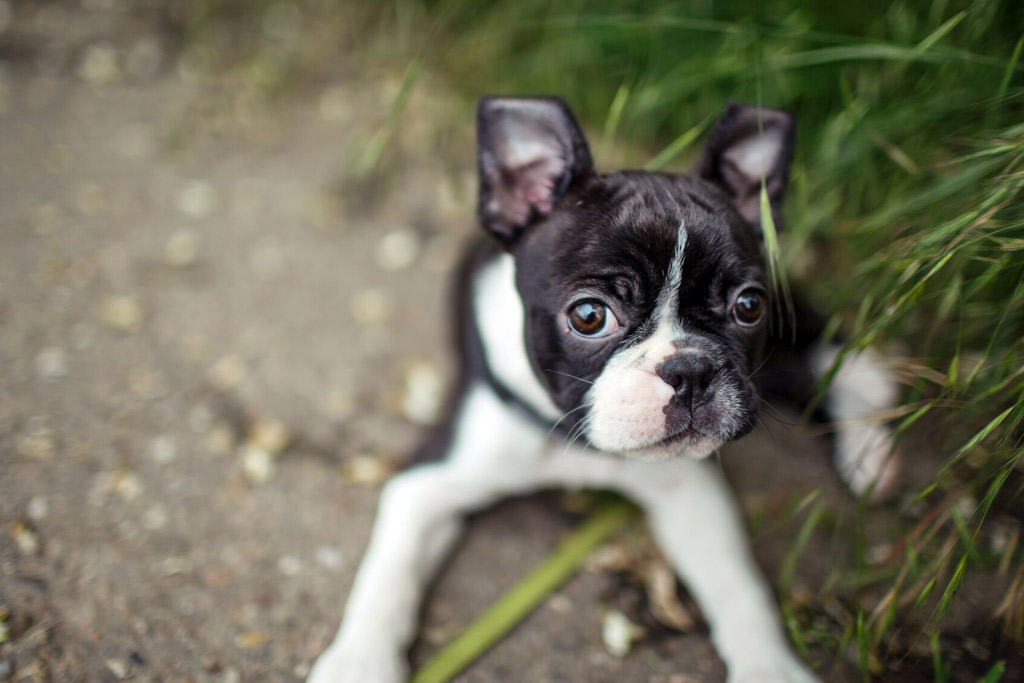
(208, 360)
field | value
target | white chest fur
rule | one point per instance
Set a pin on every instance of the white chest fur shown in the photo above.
(501, 322)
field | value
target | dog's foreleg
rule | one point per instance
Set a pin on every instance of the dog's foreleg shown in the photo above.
(863, 387)
(696, 523)
(420, 515)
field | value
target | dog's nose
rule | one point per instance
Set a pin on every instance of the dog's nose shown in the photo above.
(690, 374)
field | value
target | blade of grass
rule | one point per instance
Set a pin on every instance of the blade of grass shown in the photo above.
(611, 122)
(371, 154)
(941, 674)
(1011, 67)
(995, 674)
(677, 146)
(524, 597)
(941, 32)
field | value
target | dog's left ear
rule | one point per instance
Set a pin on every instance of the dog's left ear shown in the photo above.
(747, 144)
(530, 150)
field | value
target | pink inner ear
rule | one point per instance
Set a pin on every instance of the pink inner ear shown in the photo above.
(529, 186)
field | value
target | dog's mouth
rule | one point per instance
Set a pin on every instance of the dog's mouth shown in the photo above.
(686, 442)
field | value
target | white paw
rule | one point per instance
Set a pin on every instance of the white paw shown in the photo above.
(867, 458)
(787, 670)
(342, 665)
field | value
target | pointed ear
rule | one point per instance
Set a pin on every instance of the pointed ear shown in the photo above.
(530, 150)
(746, 145)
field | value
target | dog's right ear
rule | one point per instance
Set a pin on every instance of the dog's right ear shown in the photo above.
(530, 150)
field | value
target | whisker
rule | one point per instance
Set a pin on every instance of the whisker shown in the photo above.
(566, 374)
(778, 414)
(760, 366)
(561, 419)
(578, 430)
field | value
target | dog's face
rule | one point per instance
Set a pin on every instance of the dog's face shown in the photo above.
(644, 295)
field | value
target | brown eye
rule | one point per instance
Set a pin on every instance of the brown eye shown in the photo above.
(749, 307)
(592, 319)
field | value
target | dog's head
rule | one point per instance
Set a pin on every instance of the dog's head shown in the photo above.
(644, 295)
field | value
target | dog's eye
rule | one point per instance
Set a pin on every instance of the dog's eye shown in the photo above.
(749, 307)
(592, 319)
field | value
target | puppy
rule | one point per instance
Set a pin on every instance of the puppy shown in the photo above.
(609, 333)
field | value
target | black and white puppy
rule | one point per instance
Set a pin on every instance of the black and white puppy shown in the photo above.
(609, 335)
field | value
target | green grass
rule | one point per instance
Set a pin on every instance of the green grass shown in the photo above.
(905, 211)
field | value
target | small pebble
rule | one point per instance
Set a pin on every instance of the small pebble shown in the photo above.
(198, 199)
(35, 446)
(329, 557)
(163, 449)
(155, 518)
(118, 668)
(372, 307)
(424, 393)
(52, 363)
(228, 372)
(619, 633)
(25, 538)
(248, 641)
(398, 249)
(128, 485)
(182, 249)
(37, 508)
(121, 313)
(560, 603)
(289, 565)
(269, 434)
(366, 470)
(99, 64)
(1002, 531)
(257, 464)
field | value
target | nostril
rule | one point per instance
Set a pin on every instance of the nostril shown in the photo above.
(672, 372)
(704, 373)
(689, 374)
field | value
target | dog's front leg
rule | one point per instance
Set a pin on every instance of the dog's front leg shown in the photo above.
(698, 526)
(419, 517)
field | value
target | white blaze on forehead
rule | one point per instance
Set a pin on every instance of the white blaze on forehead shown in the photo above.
(668, 299)
(628, 397)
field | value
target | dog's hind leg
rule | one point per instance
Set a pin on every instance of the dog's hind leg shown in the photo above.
(420, 516)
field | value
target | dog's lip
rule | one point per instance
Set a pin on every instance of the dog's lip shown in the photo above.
(689, 435)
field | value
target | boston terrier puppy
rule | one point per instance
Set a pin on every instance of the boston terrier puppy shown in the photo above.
(612, 333)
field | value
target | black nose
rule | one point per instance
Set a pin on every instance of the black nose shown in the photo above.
(690, 374)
